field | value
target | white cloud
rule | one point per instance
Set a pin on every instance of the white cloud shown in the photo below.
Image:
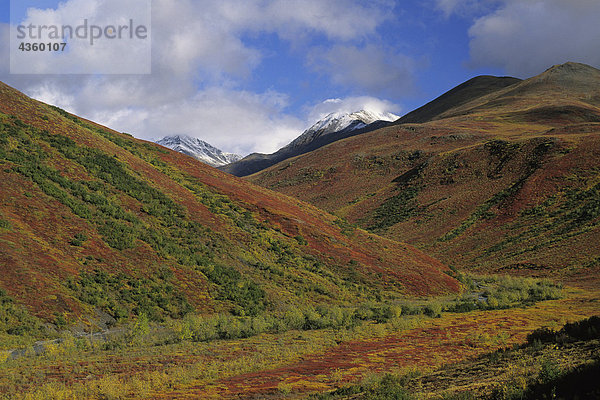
(4, 49)
(337, 19)
(526, 37)
(47, 93)
(199, 61)
(369, 68)
(193, 39)
(235, 121)
(204, 35)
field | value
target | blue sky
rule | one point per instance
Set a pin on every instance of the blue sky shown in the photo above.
(439, 45)
(250, 75)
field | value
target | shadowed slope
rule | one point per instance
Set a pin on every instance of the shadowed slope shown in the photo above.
(463, 93)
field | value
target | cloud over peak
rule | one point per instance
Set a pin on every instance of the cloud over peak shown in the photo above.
(349, 105)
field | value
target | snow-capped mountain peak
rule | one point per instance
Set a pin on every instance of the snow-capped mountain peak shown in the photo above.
(198, 149)
(339, 121)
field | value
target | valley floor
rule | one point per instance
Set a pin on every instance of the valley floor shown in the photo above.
(293, 364)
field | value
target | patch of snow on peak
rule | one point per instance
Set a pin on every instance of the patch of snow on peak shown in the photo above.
(198, 149)
(339, 121)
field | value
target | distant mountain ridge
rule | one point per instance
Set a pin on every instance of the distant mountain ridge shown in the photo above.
(333, 127)
(199, 149)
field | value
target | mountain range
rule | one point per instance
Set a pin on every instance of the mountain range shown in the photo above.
(505, 181)
(332, 127)
(198, 149)
(496, 175)
(131, 270)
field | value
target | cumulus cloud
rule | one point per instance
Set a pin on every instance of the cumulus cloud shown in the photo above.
(4, 49)
(192, 38)
(234, 120)
(368, 68)
(526, 37)
(47, 93)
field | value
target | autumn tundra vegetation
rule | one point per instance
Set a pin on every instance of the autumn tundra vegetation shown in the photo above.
(451, 256)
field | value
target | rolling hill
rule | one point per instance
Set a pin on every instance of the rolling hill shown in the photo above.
(92, 219)
(503, 178)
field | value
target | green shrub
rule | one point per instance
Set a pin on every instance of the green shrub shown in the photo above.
(78, 239)
(503, 292)
(248, 297)
(433, 309)
(541, 335)
(549, 370)
(141, 328)
(60, 321)
(313, 319)
(4, 224)
(397, 208)
(386, 387)
(120, 295)
(409, 309)
(16, 320)
(203, 329)
(294, 318)
(364, 312)
(301, 240)
(587, 329)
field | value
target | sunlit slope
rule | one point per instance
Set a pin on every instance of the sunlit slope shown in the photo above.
(506, 182)
(92, 218)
